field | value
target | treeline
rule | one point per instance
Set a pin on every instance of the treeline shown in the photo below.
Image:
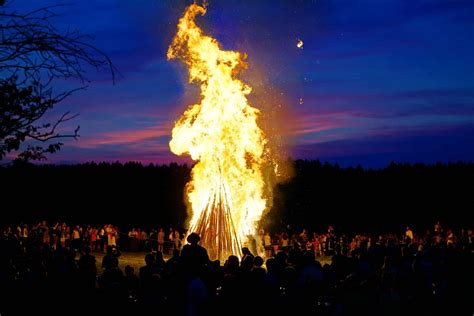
(95, 193)
(352, 199)
(387, 199)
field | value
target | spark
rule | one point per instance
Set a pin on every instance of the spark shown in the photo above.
(299, 44)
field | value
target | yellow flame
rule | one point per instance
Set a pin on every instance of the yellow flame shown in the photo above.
(220, 132)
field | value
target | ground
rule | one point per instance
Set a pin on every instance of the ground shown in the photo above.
(134, 259)
(137, 260)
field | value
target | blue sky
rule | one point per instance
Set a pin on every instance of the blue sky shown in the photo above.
(380, 80)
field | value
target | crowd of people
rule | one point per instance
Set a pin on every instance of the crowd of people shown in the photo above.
(62, 235)
(392, 274)
(264, 243)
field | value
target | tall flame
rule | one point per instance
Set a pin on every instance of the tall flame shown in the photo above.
(220, 133)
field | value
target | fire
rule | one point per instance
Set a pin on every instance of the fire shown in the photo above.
(220, 133)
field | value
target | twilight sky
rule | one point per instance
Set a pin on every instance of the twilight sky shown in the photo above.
(380, 80)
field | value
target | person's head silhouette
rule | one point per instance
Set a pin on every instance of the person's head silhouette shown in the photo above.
(109, 250)
(149, 259)
(193, 238)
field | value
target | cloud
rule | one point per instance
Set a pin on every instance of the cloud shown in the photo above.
(448, 143)
(124, 137)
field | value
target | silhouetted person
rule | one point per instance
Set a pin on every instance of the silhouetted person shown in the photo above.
(246, 253)
(150, 281)
(131, 281)
(174, 260)
(231, 266)
(87, 268)
(112, 277)
(148, 273)
(112, 252)
(194, 256)
(258, 272)
(159, 261)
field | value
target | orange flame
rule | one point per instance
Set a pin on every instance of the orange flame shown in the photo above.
(221, 132)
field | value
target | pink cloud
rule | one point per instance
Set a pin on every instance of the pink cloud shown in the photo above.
(306, 121)
(124, 137)
(314, 124)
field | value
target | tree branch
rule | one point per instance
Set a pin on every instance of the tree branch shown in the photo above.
(33, 53)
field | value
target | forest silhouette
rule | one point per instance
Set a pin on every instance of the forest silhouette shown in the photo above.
(319, 194)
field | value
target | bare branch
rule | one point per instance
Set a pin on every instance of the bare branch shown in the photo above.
(34, 53)
(31, 43)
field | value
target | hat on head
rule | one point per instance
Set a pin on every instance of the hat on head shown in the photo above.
(193, 238)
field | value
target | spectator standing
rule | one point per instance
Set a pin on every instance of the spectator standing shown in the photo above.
(161, 240)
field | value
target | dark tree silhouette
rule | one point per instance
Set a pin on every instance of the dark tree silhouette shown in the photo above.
(33, 54)
(319, 194)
